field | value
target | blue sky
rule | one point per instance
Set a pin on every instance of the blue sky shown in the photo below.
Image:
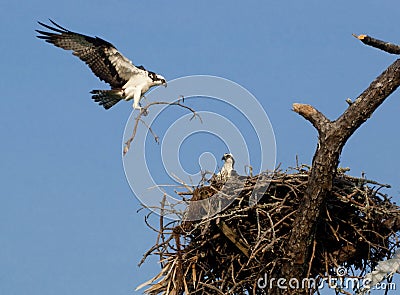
(68, 219)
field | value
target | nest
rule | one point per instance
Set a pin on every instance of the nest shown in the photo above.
(228, 252)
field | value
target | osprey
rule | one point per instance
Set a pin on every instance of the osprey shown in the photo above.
(126, 80)
(227, 169)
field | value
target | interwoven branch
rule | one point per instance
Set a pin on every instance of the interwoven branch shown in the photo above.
(228, 253)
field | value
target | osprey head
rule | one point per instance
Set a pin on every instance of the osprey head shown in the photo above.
(162, 80)
(157, 79)
(226, 157)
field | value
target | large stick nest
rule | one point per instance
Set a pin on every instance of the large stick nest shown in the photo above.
(229, 252)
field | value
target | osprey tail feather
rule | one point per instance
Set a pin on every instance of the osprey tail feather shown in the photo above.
(107, 98)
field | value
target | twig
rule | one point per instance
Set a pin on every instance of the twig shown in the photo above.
(382, 45)
(144, 112)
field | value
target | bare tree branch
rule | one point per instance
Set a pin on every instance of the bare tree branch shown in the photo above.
(385, 46)
(144, 112)
(311, 114)
(332, 137)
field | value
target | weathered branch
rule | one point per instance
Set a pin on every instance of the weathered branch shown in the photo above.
(144, 112)
(311, 114)
(332, 137)
(230, 234)
(382, 45)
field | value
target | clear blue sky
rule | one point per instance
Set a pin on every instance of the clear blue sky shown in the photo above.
(68, 221)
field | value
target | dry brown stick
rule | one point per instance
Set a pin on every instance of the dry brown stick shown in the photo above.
(256, 246)
(326, 262)
(382, 45)
(344, 292)
(156, 138)
(234, 238)
(344, 239)
(129, 141)
(363, 237)
(144, 111)
(162, 229)
(346, 199)
(311, 259)
(311, 114)
(151, 250)
(333, 231)
(184, 193)
(366, 181)
(146, 218)
(212, 288)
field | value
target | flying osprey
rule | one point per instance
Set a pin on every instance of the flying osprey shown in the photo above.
(126, 80)
(227, 170)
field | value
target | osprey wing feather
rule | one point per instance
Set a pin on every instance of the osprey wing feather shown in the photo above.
(106, 62)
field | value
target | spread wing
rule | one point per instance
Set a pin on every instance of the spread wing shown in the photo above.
(105, 61)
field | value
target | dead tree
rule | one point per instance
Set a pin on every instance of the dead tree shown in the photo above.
(305, 225)
(332, 136)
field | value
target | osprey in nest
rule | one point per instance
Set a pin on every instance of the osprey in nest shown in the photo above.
(126, 80)
(227, 169)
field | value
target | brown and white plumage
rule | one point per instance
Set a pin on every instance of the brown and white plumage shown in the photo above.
(226, 170)
(126, 80)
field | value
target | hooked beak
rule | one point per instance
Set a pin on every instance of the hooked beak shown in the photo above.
(165, 84)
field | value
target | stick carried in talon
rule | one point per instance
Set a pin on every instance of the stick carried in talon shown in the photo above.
(143, 111)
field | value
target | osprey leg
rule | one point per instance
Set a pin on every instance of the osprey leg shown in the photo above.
(136, 94)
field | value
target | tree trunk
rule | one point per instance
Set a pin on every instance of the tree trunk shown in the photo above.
(332, 137)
